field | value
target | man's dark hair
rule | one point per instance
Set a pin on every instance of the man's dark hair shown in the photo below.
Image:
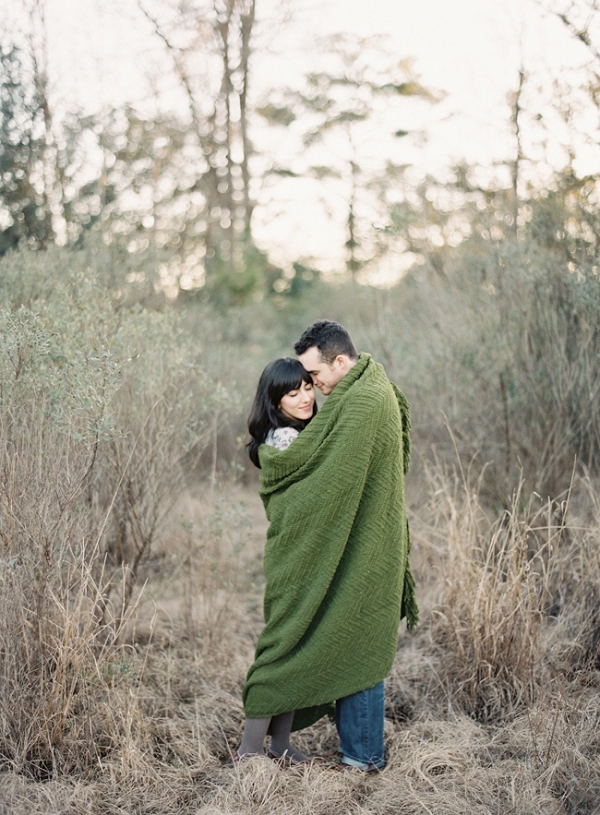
(330, 338)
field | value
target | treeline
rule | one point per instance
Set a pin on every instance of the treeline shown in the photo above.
(180, 188)
(492, 331)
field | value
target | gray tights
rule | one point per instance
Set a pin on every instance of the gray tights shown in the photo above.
(255, 731)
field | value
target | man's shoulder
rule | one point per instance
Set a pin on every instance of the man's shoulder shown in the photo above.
(376, 405)
(375, 386)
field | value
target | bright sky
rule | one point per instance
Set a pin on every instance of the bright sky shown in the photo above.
(472, 51)
(101, 52)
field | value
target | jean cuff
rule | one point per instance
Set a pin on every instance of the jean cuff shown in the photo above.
(361, 765)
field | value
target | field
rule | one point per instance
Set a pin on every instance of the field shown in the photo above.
(131, 538)
(491, 705)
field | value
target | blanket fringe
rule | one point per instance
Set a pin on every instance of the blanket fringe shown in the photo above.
(405, 411)
(410, 609)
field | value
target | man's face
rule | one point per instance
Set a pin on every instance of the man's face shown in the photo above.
(324, 376)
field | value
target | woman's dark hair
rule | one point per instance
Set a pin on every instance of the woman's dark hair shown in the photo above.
(279, 377)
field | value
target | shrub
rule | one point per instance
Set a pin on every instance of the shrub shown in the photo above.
(99, 405)
(504, 349)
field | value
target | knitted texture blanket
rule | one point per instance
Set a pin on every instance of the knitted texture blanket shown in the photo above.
(336, 556)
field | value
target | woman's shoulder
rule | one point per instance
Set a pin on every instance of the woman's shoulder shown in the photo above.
(281, 437)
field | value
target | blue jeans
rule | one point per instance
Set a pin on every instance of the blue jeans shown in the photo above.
(359, 722)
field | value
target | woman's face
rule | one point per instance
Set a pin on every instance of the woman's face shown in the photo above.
(298, 404)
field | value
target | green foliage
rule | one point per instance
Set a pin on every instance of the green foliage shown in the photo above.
(48, 370)
(24, 212)
(233, 281)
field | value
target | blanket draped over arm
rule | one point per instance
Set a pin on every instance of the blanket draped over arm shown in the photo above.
(336, 558)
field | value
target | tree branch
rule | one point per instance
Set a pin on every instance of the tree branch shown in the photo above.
(177, 62)
(580, 34)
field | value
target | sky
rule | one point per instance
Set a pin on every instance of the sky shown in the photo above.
(101, 53)
(471, 51)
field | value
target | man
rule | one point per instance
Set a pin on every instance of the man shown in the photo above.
(328, 354)
(336, 559)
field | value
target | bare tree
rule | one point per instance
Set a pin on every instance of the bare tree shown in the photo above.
(223, 29)
(517, 109)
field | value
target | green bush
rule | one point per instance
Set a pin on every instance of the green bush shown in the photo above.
(99, 406)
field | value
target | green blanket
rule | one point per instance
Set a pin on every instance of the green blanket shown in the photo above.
(336, 557)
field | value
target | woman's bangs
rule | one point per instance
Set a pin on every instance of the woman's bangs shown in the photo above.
(291, 385)
(286, 375)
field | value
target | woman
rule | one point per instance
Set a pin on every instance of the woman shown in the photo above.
(283, 406)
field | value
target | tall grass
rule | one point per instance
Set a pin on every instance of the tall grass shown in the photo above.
(490, 619)
(515, 605)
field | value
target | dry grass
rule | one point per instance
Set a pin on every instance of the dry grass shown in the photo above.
(169, 715)
(115, 699)
(489, 620)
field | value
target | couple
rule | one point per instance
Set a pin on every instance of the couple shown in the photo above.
(336, 557)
